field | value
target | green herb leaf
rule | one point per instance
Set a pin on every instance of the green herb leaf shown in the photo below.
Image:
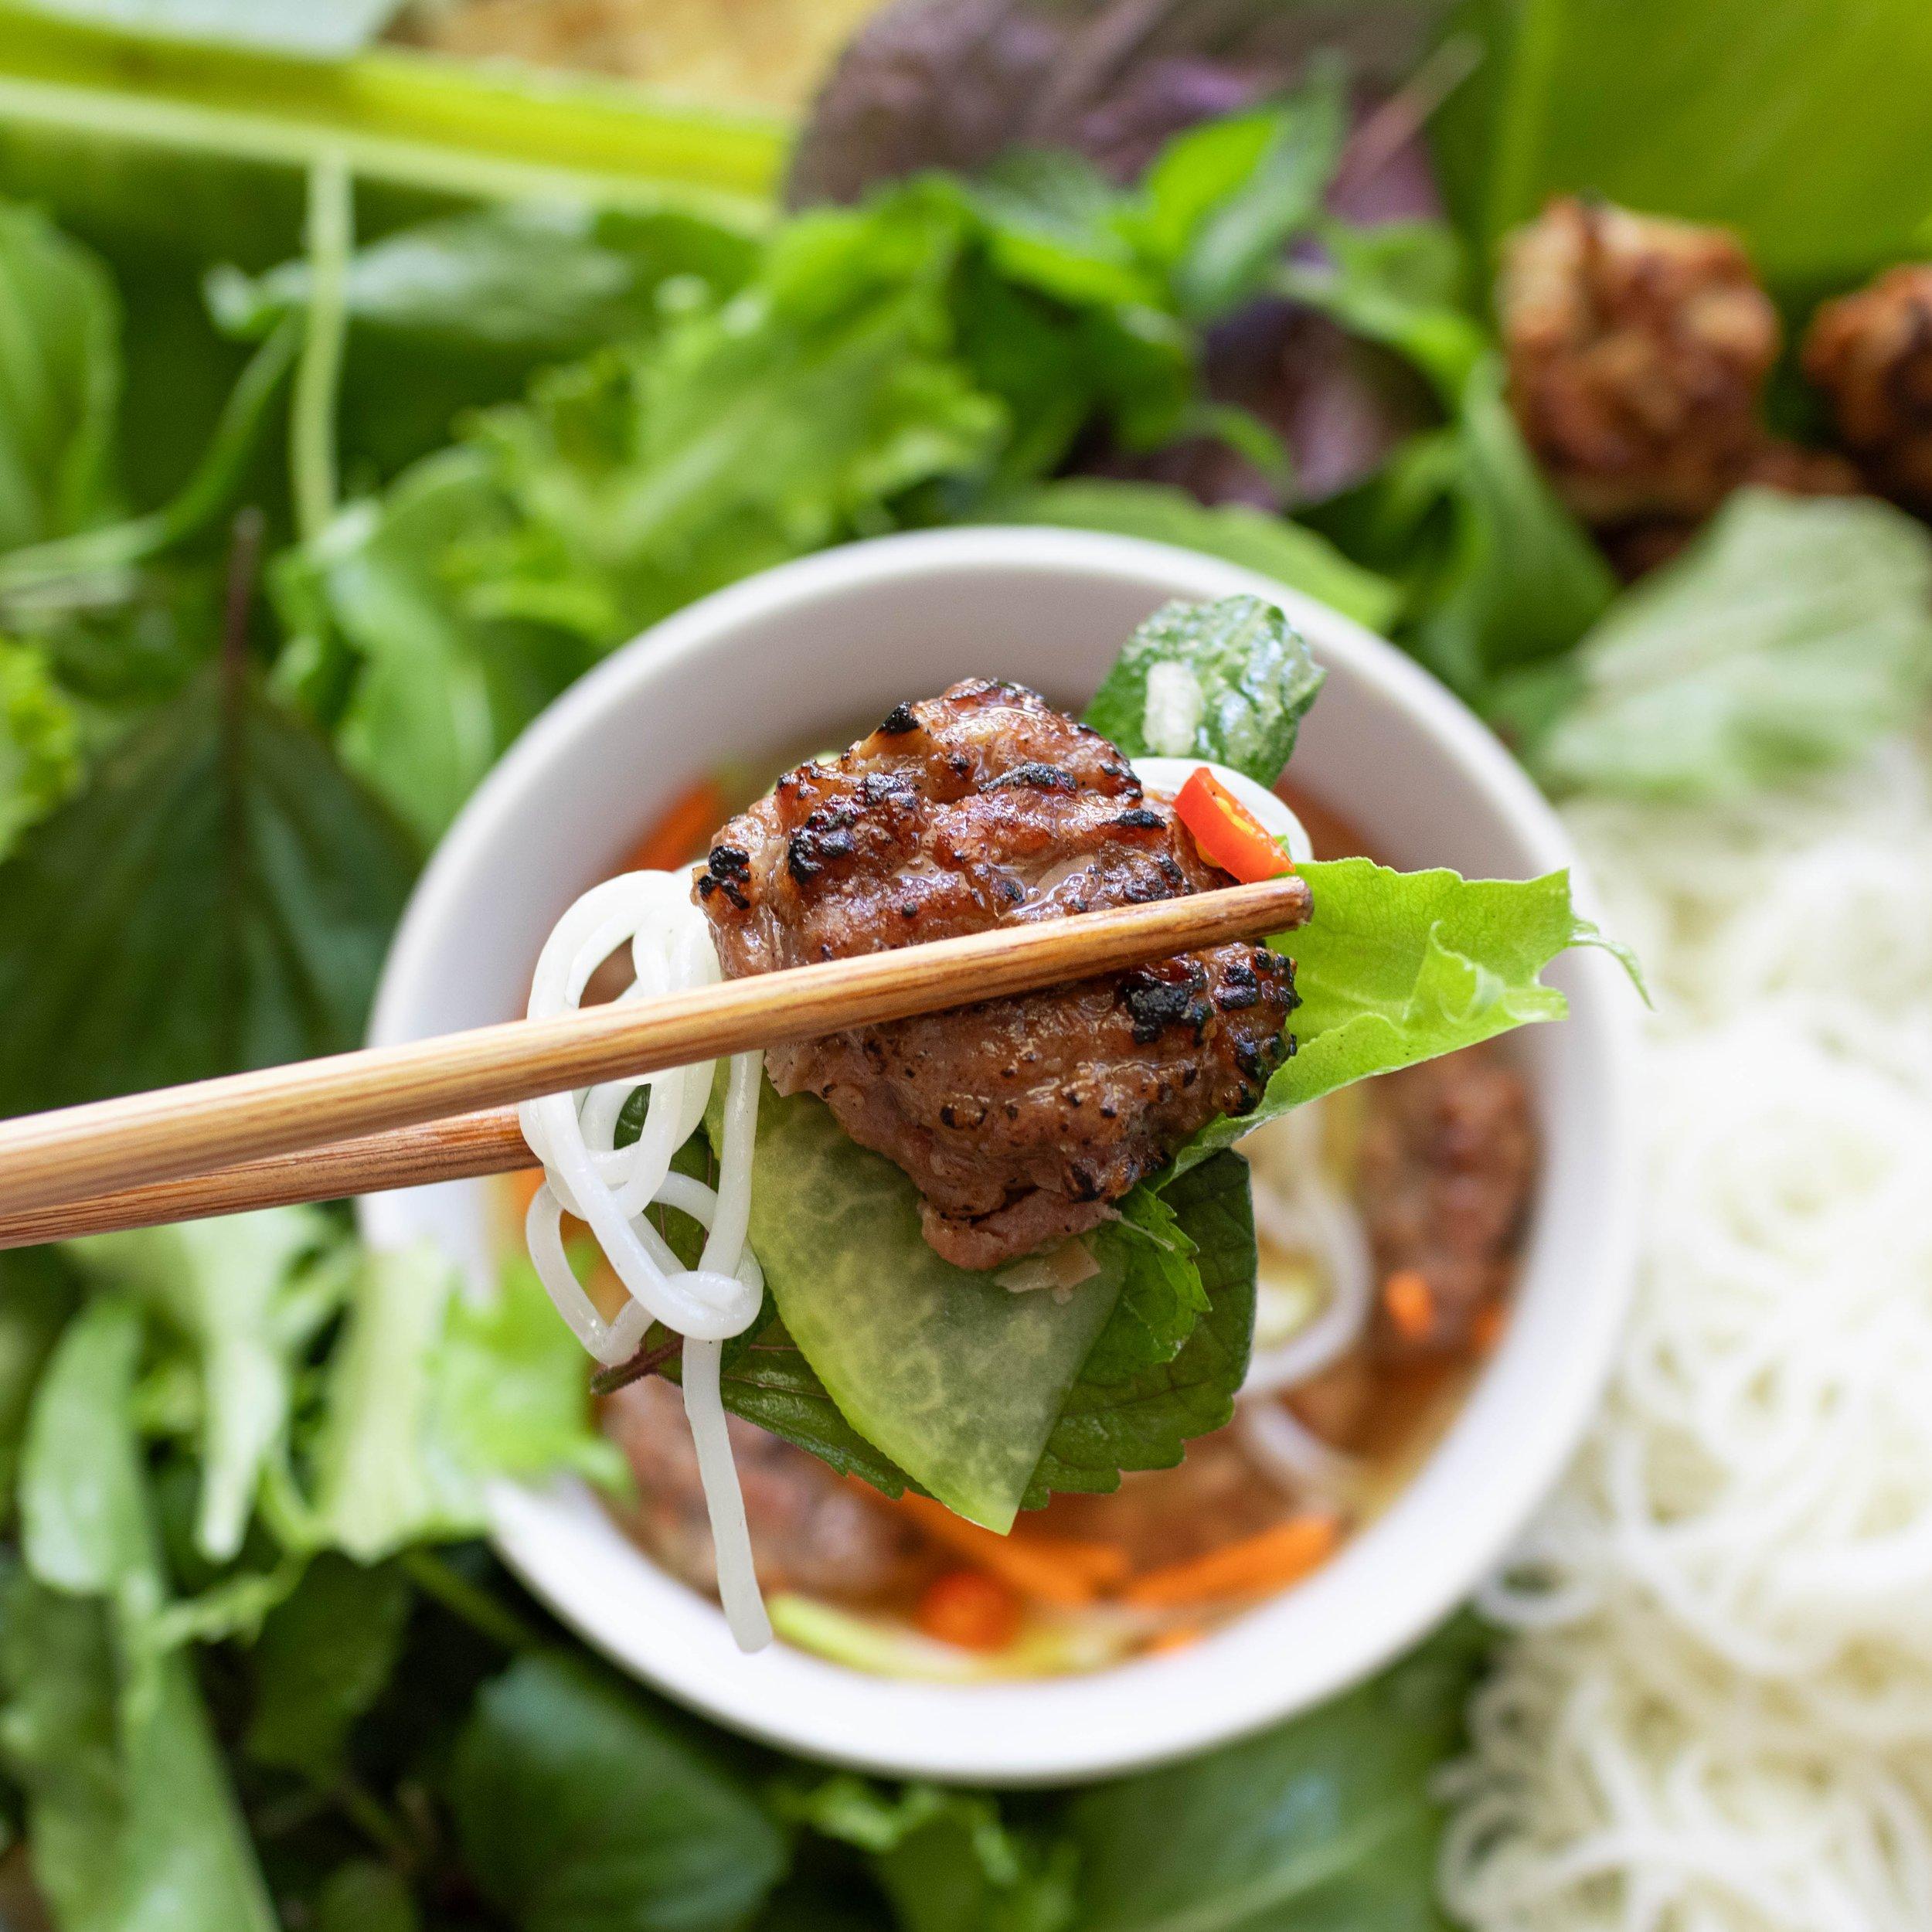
(1402, 284)
(1224, 198)
(511, 1398)
(1792, 633)
(365, 1896)
(40, 742)
(776, 423)
(1519, 581)
(532, 281)
(427, 1394)
(384, 1476)
(1395, 967)
(83, 1502)
(1326, 1822)
(580, 1809)
(220, 897)
(434, 691)
(1162, 1293)
(946, 1860)
(59, 381)
(323, 1659)
(770, 1382)
(133, 1822)
(226, 1287)
(1118, 1417)
(1289, 552)
(1249, 677)
(37, 1291)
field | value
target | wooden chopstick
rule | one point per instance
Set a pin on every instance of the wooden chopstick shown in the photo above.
(463, 1148)
(47, 1160)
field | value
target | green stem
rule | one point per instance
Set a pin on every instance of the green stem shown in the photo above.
(119, 546)
(330, 235)
(469, 1601)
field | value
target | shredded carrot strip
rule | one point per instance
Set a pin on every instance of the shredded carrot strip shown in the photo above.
(679, 835)
(1180, 1638)
(1487, 1330)
(1411, 1305)
(971, 1609)
(1055, 1570)
(1272, 1560)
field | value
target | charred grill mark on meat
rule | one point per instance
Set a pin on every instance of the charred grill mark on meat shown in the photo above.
(1021, 1120)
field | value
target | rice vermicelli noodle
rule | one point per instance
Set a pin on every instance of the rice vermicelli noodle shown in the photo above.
(611, 1189)
(1716, 1712)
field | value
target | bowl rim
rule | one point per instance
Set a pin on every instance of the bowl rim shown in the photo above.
(1152, 1710)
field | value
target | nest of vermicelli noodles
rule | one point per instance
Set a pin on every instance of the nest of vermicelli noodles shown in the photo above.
(1716, 1712)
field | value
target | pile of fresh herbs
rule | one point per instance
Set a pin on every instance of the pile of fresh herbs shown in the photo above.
(294, 540)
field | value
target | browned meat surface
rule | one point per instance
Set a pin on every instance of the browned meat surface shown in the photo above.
(1638, 352)
(1871, 353)
(1448, 1156)
(1021, 1119)
(810, 1529)
(1218, 1495)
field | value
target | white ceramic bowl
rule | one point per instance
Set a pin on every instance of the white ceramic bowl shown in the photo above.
(838, 638)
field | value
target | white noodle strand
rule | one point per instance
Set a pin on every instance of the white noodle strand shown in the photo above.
(611, 1188)
(1716, 1713)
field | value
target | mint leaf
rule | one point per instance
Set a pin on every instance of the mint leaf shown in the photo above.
(1238, 680)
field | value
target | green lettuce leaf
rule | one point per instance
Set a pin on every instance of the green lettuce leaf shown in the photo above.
(427, 1395)
(132, 1819)
(231, 1289)
(1251, 676)
(1394, 967)
(1794, 632)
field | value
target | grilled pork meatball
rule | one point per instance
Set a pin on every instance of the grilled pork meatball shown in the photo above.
(1448, 1155)
(1021, 1120)
(1871, 353)
(810, 1529)
(1638, 353)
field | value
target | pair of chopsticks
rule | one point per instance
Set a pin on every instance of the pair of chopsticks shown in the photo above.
(442, 1109)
